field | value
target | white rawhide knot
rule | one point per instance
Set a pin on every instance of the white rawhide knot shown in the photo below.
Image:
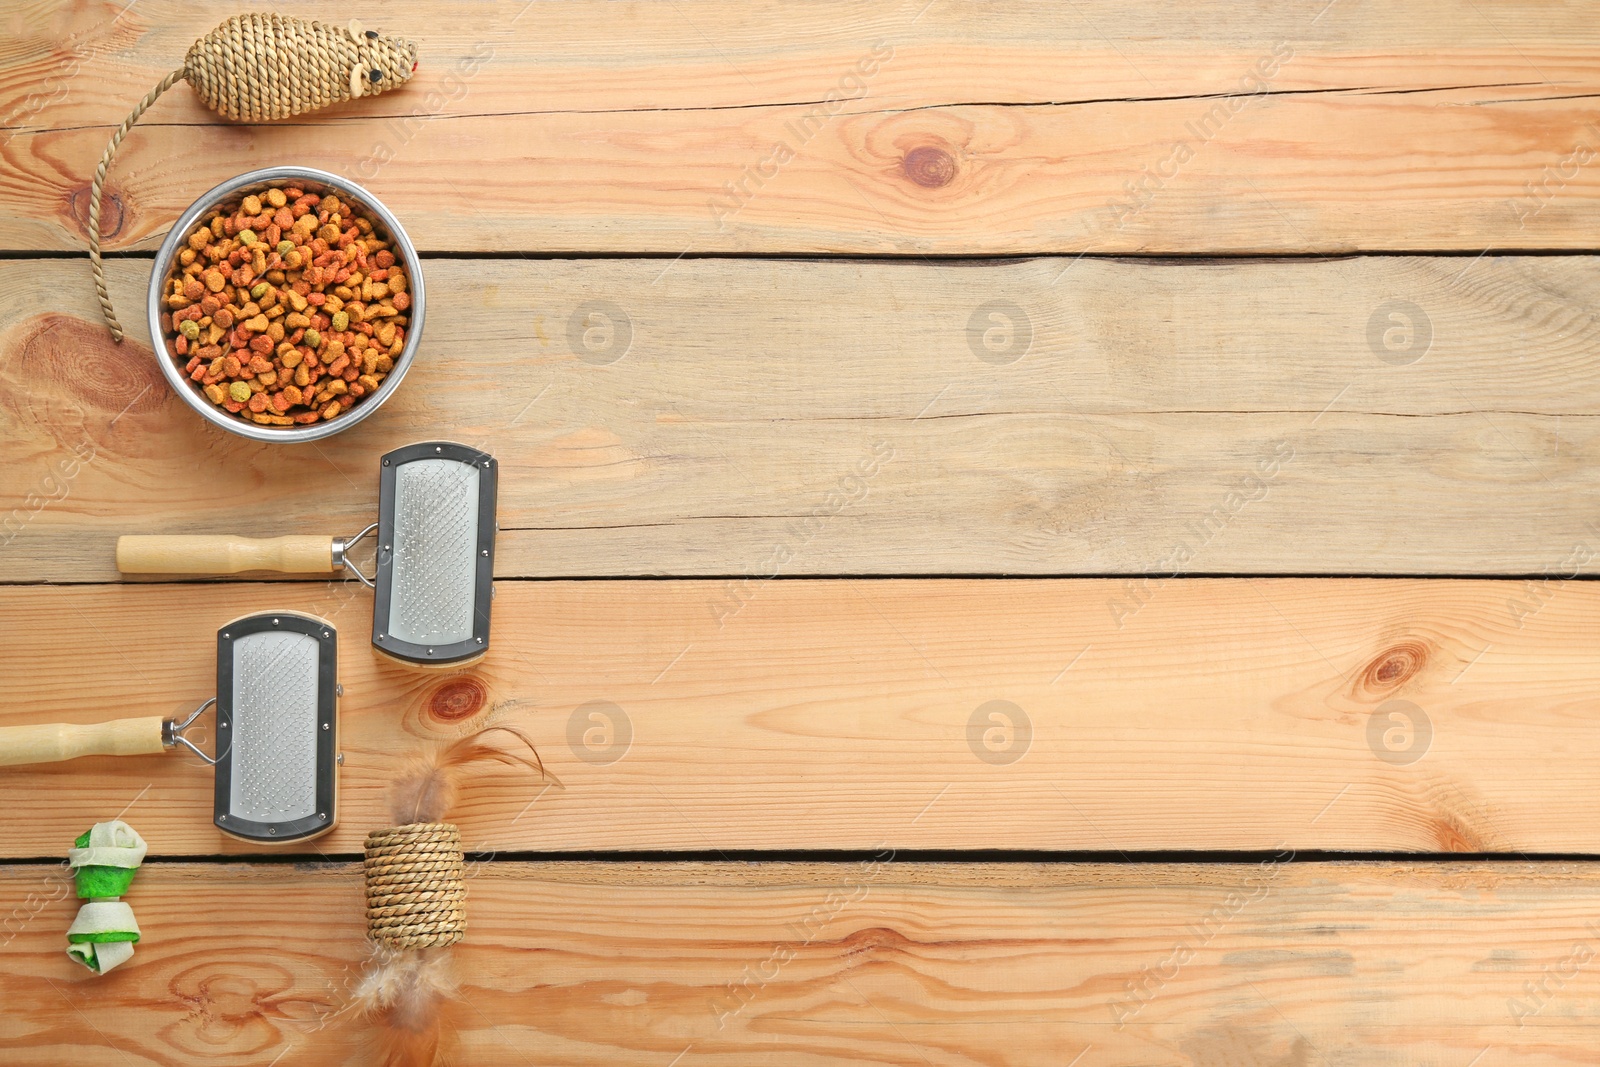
(100, 917)
(103, 916)
(111, 844)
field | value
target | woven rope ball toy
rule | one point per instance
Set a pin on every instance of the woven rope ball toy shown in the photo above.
(416, 886)
(260, 68)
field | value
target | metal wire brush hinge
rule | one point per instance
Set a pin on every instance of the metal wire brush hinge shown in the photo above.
(172, 732)
(341, 554)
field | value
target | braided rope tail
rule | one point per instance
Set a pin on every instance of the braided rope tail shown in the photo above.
(95, 263)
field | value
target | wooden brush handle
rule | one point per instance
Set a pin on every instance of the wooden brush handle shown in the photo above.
(224, 554)
(57, 741)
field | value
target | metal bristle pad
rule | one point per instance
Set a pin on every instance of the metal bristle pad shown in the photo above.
(435, 550)
(274, 749)
(277, 699)
(435, 577)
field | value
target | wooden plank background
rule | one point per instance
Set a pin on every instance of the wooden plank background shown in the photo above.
(765, 417)
(882, 961)
(1082, 365)
(952, 127)
(1214, 714)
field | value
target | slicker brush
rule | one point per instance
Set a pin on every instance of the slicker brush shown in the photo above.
(416, 900)
(260, 68)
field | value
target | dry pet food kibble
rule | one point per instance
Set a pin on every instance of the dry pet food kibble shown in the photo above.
(288, 311)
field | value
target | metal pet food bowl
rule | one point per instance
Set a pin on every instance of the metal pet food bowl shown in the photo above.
(227, 196)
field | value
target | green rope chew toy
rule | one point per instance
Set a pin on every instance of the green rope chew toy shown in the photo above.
(103, 865)
(259, 68)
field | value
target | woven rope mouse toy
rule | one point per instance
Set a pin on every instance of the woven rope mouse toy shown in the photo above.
(259, 68)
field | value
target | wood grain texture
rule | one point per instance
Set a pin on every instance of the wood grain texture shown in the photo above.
(845, 714)
(900, 129)
(878, 962)
(594, 56)
(772, 418)
(836, 418)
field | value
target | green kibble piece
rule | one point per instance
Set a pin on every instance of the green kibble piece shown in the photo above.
(341, 321)
(240, 391)
(247, 237)
(259, 290)
(189, 328)
(285, 247)
(313, 339)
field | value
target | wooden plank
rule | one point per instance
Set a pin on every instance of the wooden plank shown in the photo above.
(836, 418)
(1414, 715)
(703, 54)
(884, 962)
(1449, 125)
